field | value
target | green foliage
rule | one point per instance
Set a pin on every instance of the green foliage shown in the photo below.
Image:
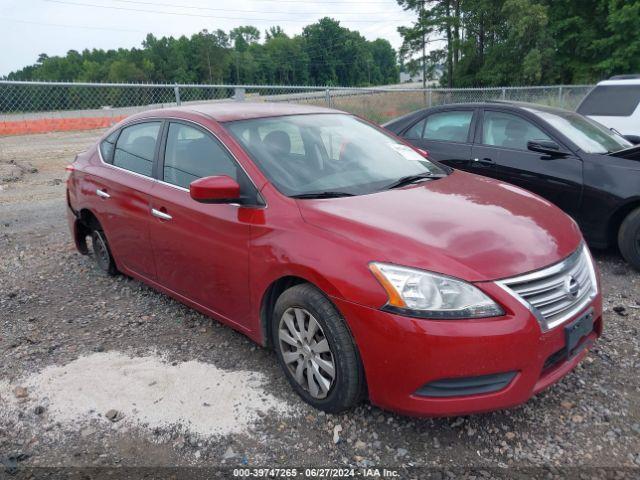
(622, 44)
(325, 54)
(478, 43)
(339, 56)
(415, 56)
(525, 42)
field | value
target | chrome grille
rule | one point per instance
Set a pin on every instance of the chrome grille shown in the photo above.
(556, 293)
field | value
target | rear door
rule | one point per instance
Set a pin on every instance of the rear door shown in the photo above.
(501, 152)
(201, 250)
(446, 135)
(121, 185)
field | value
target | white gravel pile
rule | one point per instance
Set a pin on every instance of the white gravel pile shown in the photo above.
(146, 391)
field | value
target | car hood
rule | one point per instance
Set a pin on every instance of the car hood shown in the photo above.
(631, 153)
(462, 225)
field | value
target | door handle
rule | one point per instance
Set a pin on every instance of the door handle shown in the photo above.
(485, 161)
(102, 194)
(161, 215)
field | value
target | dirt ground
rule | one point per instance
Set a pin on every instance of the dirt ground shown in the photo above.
(105, 372)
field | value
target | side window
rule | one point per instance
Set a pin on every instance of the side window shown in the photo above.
(449, 126)
(108, 147)
(191, 154)
(136, 146)
(509, 131)
(416, 130)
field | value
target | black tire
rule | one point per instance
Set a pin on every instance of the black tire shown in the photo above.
(348, 385)
(102, 252)
(629, 239)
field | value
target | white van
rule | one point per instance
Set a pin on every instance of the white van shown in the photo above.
(615, 103)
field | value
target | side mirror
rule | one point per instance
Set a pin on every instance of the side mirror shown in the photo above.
(635, 139)
(547, 147)
(219, 189)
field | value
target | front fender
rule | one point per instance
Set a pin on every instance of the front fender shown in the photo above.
(331, 262)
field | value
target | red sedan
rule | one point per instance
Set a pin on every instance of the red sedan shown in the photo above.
(371, 270)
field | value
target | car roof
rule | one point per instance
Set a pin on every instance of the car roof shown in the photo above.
(505, 103)
(231, 111)
(404, 121)
(536, 107)
(622, 80)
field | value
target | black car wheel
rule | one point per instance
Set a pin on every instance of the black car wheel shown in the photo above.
(316, 351)
(629, 238)
(102, 252)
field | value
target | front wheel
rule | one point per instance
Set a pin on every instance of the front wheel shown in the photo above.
(629, 238)
(316, 351)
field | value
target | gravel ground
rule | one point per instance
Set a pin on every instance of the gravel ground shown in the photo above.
(63, 324)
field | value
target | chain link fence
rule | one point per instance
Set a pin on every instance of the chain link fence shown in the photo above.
(46, 106)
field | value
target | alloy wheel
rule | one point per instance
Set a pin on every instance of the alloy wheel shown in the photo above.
(306, 352)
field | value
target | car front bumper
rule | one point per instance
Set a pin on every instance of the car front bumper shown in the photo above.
(401, 355)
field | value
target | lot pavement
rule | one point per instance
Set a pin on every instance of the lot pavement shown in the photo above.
(100, 371)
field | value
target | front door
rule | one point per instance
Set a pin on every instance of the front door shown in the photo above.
(501, 152)
(201, 250)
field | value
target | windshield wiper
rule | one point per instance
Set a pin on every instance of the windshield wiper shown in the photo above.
(328, 194)
(409, 179)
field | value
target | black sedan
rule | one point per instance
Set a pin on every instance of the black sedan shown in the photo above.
(592, 173)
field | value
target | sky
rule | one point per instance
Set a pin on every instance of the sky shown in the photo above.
(31, 27)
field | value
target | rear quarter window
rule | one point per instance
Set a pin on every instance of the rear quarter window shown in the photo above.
(108, 146)
(611, 101)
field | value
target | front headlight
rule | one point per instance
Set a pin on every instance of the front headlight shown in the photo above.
(425, 294)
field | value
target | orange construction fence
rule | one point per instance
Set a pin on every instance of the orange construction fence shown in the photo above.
(44, 125)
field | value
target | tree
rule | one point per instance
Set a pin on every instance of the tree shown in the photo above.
(323, 45)
(339, 56)
(509, 42)
(416, 37)
(242, 38)
(284, 60)
(274, 32)
(326, 53)
(619, 49)
(221, 56)
(480, 42)
(383, 64)
(124, 71)
(520, 48)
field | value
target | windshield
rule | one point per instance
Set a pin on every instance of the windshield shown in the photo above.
(589, 136)
(328, 153)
